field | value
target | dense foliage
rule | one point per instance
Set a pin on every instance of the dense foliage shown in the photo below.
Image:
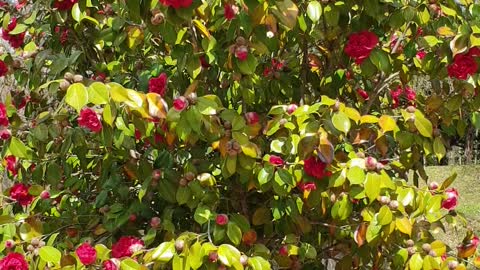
(180, 134)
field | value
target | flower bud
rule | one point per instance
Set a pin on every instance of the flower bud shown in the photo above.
(371, 163)
(393, 205)
(9, 244)
(291, 108)
(68, 76)
(433, 186)
(77, 78)
(155, 222)
(221, 220)
(213, 256)
(410, 243)
(244, 260)
(426, 247)
(179, 245)
(45, 195)
(180, 103)
(283, 251)
(411, 109)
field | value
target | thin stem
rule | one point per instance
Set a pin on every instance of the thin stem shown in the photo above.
(208, 232)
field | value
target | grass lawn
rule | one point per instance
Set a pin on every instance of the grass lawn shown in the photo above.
(468, 185)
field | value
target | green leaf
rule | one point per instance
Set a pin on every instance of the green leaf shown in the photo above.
(77, 96)
(183, 195)
(439, 148)
(202, 215)
(372, 186)
(164, 252)
(387, 123)
(404, 225)
(228, 255)
(234, 233)
(258, 263)
(50, 254)
(77, 13)
(20, 28)
(342, 209)
(381, 60)
(314, 11)
(384, 215)
(265, 175)
(5, 219)
(307, 251)
(283, 176)
(416, 262)
(447, 182)
(19, 149)
(248, 66)
(373, 231)
(129, 264)
(98, 93)
(356, 175)
(341, 122)
(423, 125)
(195, 256)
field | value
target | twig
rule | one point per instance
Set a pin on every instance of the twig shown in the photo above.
(382, 85)
(304, 70)
(208, 232)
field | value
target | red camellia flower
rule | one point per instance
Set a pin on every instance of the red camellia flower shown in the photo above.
(203, 62)
(307, 186)
(421, 54)
(16, 41)
(241, 52)
(126, 246)
(396, 96)
(86, 253)
(363, 94)
(315, 167)
(64, 4)
(111, 264)
(252, 118)
(176, 3)
(452, 199)
(230, 11)
(13, 261)
(3, 68)
(19, 192)
(10, 163)
(273, 68)
(360, 45)
(462, 66)
(221, 220)
(90, 120)
(158, 85)
(410, 93)
(475, 52)
(5, 134)
(276, 160)
(180, 103)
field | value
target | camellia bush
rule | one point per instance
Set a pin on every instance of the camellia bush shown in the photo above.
(236, 134)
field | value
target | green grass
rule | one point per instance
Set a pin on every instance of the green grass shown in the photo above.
(468, 185)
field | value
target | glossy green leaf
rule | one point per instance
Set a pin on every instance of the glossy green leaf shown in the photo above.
(50, 254)
(234, 233)
(77, 96)
(341, 122)
(164, 252)
(228, 254)
(19, 149)
(314, 10)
